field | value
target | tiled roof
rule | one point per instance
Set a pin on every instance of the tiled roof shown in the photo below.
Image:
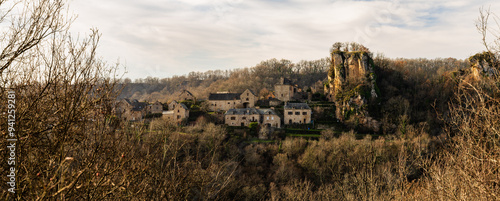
(224, 96)
(187, 92)
(250, 111)
(138, 106)
(296, 106)
(184, 106)
(284, 81)
(251, 92)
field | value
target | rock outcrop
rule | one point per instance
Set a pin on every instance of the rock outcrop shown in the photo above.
(352, 86)
(483, 64)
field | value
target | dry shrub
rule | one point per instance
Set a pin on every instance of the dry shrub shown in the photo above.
(345, 168)
(468, 169)
(294, 146)
(162, 124)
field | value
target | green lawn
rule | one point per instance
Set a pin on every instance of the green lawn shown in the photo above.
(303, 135)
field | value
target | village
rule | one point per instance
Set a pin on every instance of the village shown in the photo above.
(289, 106)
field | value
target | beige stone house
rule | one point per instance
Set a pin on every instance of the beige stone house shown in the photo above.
(248, 98)
(245, 116)
(172, 104)
(131, 110)
(154, 108)
(285, 90)
(270, 118)
(178, 113)
(186, 95)
(225, 100)
(297, 113)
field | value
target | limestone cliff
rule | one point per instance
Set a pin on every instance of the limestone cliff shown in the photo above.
(483, 64)
(352, 86)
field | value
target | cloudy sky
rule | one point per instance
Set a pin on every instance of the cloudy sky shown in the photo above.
(162, 38)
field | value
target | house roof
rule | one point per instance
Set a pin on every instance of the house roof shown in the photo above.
(126, 100)
(184, 106)
(157, 102)
(296, 106)
(224, 96)
(268, 111)
(285, 81)
(136, 105)
(250, 91)
(250, 111)
(187, 92)
(273, 99)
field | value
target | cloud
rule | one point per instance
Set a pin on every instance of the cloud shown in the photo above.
(166, 38)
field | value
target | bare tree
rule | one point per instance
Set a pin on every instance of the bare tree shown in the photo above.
(38, 20)
(490, 35)
(64, 99)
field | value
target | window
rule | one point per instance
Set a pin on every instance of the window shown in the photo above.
(272, 118)
(290, 113)
(233, 118)
(228, 102)
(247, 99)
(267, 118)
(297, 113)
(248, 95)
(243, 118)
(304, 113)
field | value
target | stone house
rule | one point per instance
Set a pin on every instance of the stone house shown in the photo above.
(248, 98)
(225, 100)
(178, 113)
(269, 102)
(245, 116)
(285, 90)
(131, 110)
(186, 95)
(172, 104)
(297, 113)
(155, 108)
(270, 118)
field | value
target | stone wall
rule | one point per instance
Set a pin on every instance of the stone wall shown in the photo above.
(283, 92)
(215, 105)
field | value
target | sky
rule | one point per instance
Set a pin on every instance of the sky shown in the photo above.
(163, 38)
